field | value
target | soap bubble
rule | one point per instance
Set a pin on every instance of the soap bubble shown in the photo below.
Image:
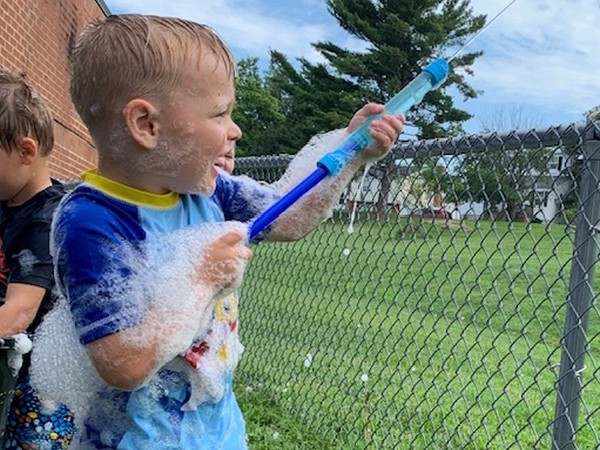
(308, 360)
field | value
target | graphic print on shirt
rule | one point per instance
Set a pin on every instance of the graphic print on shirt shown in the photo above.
(216, 355)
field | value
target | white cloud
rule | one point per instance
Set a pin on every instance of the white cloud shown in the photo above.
(541, 53)
(538, 53)
(251, 28)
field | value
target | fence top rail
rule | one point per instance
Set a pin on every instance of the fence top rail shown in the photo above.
(566, 135)
(558, 135)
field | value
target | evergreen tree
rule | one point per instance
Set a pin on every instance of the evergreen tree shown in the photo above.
(312, 100)
(402, 37)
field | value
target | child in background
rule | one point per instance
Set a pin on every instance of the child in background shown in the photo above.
(227, 161)
(139, 267)
(28, 198)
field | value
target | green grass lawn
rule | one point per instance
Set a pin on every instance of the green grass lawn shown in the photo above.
(426, 336)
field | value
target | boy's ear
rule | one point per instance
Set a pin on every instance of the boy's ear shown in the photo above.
(141, 118)
(28, 149)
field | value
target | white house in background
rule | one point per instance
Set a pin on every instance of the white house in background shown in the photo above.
(408, 192)
(559, 183)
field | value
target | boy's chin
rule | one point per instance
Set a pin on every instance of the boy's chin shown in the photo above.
(206, 188)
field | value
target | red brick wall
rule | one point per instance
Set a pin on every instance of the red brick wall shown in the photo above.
(35, 37)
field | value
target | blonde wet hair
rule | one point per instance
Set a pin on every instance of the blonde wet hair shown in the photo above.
(129, 56)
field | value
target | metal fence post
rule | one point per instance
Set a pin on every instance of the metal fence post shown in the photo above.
(574, 342)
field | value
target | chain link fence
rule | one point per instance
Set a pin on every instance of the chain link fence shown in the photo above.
(460, 313)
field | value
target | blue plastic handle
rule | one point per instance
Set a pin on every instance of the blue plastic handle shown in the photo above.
(332, 163)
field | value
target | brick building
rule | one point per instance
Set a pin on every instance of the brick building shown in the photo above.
(35, 37)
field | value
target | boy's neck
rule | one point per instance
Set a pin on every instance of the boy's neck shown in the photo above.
(129, 177)
(40, 181)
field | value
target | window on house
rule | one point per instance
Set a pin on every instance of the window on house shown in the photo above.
(542, 197)
(366, 185)
(557, 162)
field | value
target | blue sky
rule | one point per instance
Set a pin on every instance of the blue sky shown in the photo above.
(541, 64)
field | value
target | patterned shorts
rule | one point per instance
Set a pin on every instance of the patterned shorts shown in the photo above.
(37, 424)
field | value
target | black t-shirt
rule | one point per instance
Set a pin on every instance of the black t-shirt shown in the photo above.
(24, 246)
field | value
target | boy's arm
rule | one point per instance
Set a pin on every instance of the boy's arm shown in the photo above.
(31, 276)
(316, 205)
(148, 315)
(20, 307)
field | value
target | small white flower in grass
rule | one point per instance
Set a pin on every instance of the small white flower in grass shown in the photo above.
(308, 360)
(276, 435)
(364, 378)
(346, 252)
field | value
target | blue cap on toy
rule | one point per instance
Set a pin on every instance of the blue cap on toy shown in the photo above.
(439, 70)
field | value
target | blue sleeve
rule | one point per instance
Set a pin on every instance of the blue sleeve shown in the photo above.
(94, 239)
(241, 198)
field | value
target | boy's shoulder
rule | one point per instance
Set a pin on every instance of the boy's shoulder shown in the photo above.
(242, 198)
(86, 206)
(40, 206)
(49, 199)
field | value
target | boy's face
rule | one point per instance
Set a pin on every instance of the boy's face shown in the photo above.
(197, 128)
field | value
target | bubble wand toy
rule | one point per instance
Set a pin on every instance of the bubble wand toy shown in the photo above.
(431, 77)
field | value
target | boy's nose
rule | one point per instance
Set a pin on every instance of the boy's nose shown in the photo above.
(236, 132)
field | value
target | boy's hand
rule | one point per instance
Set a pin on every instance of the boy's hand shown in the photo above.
(385, 130)
(223, 261)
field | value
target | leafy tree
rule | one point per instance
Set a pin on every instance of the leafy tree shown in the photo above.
(257, 111)
(499, 177)
(311, 99)
(594, 112)
(508, 119)
(402, 37)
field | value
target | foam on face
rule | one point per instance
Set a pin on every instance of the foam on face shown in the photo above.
(171, 163)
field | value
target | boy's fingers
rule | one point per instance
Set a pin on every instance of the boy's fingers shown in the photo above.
(236, 239)
(232, 238)
(245, 253)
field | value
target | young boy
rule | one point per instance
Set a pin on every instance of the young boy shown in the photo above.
(28, 198)
(141, 271)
